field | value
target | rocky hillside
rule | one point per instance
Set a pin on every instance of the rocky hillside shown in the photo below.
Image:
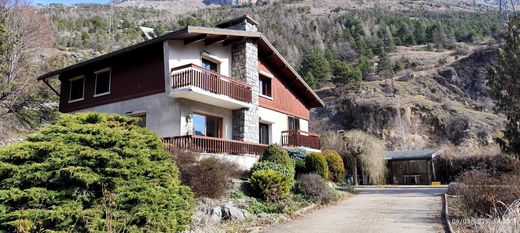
(446, 103)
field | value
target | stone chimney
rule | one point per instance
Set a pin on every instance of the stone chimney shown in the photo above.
(244, 67)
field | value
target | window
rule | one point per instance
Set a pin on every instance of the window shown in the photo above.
(77, 89)
(102, 82)
(210, 65)
(294, 123)
(264, 133)
(209, 126)
(264, 86)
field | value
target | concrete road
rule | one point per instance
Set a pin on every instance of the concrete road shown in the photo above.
(399, 210)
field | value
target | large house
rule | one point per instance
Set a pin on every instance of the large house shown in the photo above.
(222, 89)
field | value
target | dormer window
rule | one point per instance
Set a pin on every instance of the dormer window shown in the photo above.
(210, 65)
(102, 82)
(77, 89)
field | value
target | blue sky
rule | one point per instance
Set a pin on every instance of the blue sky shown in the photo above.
(45, 2)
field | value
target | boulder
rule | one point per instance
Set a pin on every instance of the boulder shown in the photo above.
(231, 213)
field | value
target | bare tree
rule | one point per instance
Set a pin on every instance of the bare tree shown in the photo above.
(359, 149)
(26, 36)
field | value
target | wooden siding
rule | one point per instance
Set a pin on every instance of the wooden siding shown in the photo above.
(284, 99)
(134, 74)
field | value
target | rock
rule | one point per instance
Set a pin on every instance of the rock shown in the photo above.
(216, 213)
(231, 213)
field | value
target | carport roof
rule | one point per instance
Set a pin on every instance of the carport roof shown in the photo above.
(412, 154)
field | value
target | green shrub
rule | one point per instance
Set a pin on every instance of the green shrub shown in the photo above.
(299, 167)
(272, 184)
(92, 172)
(335, 165)
(297, 153)
(277, 154)
(268, 165)
(316, 163)
(315, 187)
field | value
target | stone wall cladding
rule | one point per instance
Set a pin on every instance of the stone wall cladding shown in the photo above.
(245, 68)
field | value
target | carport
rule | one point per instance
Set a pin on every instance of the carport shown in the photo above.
(412, 166)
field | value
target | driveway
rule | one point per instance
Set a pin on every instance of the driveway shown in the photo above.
(400, 210)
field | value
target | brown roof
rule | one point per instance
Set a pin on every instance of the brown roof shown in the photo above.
(190, 34)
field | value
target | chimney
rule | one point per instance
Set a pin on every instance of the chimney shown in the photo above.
(244, 23)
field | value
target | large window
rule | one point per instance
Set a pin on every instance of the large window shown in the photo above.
(204, 125)
(294, 123)
(102, 82)
(264, 133)
(210, 65)
(142, 119)
(77, 89)
(264, 86)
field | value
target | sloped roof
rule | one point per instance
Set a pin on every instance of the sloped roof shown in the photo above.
(412, 154)
(209, 35)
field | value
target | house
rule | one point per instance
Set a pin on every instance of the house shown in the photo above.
(411, 167)
(222, 89)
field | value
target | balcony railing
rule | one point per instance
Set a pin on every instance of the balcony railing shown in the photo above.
(213, 145)
(208, 80)
(300, 138)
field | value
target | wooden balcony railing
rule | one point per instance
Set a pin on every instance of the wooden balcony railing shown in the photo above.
(300, 138)
(208, 80)
(213, 145)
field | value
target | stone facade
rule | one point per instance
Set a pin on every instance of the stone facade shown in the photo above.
(245, 68)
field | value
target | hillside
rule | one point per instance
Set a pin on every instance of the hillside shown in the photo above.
(435, 53)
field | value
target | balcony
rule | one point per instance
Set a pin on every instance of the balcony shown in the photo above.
(203, 144)
(206, 86)
(296, 138)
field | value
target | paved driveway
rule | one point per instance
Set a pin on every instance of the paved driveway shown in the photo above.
(399, 210)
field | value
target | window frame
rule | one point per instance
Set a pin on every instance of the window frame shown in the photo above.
(139, 114)
(268, 133)
(210, 58)
(270, 86)
(109, 81)
(70, 89)
(296, 119)
(206, 115)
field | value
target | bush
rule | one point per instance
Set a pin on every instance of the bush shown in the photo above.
(208, 177)
(297, 153)
(299, 167)
(272, 184)
(316, 163)
(486, 194)
(92, 172)
(268, 165)
(456, 188)
(277, 154)
(335, 165)
(314, 186)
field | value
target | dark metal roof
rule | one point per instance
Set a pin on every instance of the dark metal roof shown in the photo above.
(412, 154)
(190, 34)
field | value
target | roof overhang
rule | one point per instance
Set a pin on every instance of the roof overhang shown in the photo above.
(425, 154)
(194, 34)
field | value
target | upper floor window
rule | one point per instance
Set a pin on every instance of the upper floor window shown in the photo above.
(294, 123)
(210, 65)
(77, 89)
(102, 82)
(205, 125)
(264, 86)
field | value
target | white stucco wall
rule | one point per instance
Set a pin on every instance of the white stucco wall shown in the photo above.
(278, 122)
(180, 54)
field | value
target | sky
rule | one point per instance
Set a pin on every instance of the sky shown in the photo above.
(45, 2)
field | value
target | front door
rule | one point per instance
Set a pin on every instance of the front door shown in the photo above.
(264, 133)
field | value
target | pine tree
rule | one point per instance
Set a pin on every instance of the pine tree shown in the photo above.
(504, 81)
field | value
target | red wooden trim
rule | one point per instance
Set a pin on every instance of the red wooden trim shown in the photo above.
(193, 75)
(205, 144)
(300, 138)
